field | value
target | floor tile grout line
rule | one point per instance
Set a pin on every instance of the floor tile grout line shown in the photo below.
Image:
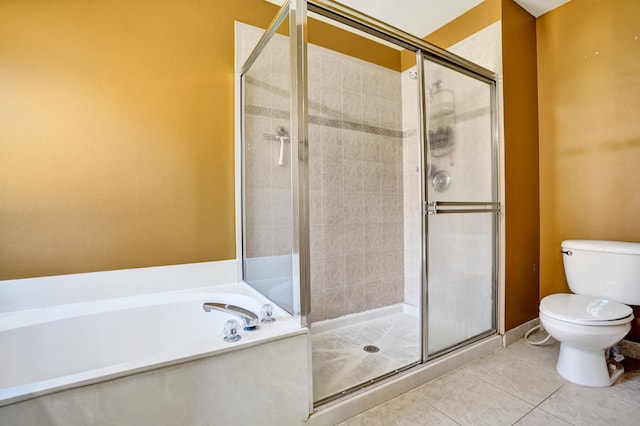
(470, 371)
(466, 369)
(536, 364)
(502, 389)
(526, 414)
(444, 414)
(552, 414)
(550, 395)
(537, 407)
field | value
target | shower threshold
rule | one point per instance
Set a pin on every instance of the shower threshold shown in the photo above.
(353, 351)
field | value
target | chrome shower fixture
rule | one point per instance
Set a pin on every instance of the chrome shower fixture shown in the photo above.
(282, 135)
(436, 85)
(281, 131)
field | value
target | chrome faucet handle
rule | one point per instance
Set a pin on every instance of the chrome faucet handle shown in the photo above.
(230, 331)
(267, 313)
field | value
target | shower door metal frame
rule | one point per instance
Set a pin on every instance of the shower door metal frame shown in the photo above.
(371, 26)
(296, 12)
(425, 50)
(300, 150)
(453, 207)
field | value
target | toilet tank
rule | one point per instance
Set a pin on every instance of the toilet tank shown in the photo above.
(607, 269)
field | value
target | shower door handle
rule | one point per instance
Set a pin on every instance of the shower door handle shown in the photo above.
(440, 207)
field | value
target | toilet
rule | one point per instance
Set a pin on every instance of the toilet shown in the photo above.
(604, 277)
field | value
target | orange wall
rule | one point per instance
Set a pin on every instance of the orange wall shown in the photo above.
(589, 91)
(117, 131)
(522, 228)
(117, 127)
(351, 44)
(465, 25)
(589, 68)
(116, 142)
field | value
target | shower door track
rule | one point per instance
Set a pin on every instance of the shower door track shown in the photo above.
(348, 392)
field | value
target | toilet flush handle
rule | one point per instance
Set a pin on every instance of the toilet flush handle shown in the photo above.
(567, 252)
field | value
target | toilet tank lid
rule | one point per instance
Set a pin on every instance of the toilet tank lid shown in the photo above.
(621, 247)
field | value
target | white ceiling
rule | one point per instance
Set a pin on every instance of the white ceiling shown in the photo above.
(422, 17)
(417, 17)
(540, 7)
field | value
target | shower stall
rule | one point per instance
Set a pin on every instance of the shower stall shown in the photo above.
(370, 205)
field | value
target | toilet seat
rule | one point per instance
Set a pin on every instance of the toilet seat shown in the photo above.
(585, 310)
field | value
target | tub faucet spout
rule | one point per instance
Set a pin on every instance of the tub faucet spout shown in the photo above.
(249, 319)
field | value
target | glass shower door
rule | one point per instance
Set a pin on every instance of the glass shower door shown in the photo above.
(461, 207)
(268, 167)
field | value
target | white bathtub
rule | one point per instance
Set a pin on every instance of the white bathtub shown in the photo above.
(55, 348)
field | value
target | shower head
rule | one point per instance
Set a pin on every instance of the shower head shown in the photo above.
(281, 131)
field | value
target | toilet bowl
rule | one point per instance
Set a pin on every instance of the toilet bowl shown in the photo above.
(604, 275)
(586, 327)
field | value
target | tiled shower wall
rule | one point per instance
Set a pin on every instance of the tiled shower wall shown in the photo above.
(365, 212)
(355, 179)
(355, 175)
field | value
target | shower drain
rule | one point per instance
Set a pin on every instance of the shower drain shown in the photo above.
(371, 349)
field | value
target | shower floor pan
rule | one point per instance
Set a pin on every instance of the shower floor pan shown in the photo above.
(357, 348)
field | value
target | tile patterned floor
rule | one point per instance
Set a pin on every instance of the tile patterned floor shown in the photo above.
(516, 385)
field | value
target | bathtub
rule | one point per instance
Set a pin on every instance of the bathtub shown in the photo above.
(66, 347)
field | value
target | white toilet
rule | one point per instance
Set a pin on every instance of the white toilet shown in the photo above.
(604, 275)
